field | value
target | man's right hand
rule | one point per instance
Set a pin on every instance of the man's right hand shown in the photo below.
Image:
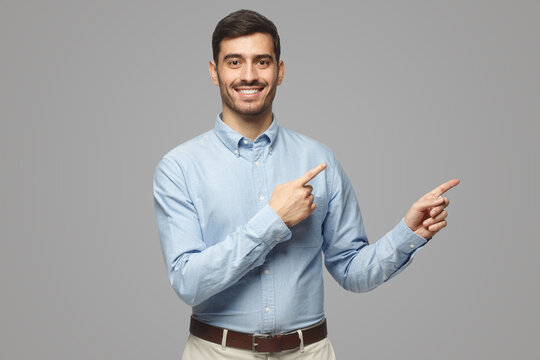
(293, 200)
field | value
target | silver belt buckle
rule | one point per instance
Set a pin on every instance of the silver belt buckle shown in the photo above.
(254, 344)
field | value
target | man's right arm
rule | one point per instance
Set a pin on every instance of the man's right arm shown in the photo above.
(197, 271)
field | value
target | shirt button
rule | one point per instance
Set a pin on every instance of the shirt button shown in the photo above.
(257, 163)
(411, 246)
(270, 148)
(236, 151)
(266, 272)
(245, 141)
(277, 239)
(267, 309)
(261, 197)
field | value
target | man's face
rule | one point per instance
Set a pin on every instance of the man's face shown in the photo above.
(247, 74)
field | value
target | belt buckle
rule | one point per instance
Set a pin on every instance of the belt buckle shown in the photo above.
(254, 344)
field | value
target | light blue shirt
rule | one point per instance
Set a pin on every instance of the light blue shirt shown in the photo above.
(231, 257)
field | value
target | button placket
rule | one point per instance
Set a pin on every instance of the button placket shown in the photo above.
(267, 309)
(267, 298)
(259, 176)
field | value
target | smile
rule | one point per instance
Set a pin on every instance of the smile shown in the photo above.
(254, 91)
(249, 91)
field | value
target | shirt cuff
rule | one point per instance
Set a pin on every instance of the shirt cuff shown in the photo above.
(405, 240)
(269, 227)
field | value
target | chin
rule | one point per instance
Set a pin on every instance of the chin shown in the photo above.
(247, 111)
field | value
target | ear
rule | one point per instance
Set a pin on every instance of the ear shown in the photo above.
(212, 68)
(281, 72)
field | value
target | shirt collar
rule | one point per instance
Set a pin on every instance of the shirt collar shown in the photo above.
(231, 138)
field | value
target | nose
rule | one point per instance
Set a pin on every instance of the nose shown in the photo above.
(249, 73)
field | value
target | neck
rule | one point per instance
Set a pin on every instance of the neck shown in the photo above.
(248, 126)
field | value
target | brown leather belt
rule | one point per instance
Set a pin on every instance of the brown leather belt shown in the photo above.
(257, 342)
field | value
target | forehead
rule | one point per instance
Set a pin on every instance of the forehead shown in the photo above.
(247, 46)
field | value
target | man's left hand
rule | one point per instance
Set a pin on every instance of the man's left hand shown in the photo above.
(427, 216)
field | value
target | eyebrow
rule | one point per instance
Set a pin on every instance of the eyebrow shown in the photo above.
(264, 56)
(258, 57)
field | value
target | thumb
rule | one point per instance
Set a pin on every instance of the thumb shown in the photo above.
(422, 205)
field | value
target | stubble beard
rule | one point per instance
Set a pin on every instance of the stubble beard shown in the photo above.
(251, 110)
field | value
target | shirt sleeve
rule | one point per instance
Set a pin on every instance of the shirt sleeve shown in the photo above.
(197, 271)
(355, 264)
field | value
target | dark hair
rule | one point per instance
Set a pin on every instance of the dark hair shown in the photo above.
(242, 23)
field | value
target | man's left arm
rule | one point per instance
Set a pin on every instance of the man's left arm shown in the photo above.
(359, 266)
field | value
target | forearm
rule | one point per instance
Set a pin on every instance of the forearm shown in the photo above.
(198, 272)
(374, 264)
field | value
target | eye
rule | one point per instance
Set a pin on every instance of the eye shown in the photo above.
(234, 63)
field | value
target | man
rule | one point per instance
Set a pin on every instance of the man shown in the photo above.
(246, 210)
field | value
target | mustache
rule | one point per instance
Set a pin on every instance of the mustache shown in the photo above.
(248, 83)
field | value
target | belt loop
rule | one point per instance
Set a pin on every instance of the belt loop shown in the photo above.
(301, 336)
(224, 339)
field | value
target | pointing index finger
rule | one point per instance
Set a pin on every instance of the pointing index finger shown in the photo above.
(441, 189)
(304, 179)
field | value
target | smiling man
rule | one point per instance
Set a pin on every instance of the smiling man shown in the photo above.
(248, 75)
(246, 210)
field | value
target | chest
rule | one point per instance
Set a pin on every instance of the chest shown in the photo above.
(228, 191)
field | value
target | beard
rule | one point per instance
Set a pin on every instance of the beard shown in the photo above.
(247, 108)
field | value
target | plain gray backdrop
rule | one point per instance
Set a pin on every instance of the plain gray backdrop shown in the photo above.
(407, 93)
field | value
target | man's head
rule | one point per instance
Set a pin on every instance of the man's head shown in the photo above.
(242, 23)
(246, 64)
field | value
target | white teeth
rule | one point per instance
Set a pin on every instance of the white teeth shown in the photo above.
(254, 91)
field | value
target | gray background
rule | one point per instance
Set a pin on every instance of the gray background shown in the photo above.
(408, 95)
